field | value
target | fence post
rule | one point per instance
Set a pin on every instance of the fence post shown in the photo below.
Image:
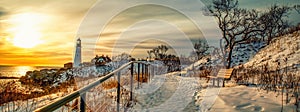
(131, 81)
(82, 102)
(118, 92)
(148, 72)
(138, 75)
(143, 72)
(223, 85)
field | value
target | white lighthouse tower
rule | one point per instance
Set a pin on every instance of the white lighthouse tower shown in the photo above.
(77, 57)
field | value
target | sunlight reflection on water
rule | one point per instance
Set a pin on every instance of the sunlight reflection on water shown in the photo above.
(18, 71)
(21, 70)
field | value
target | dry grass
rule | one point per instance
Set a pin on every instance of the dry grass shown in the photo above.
(110, 84)
(142, 79)
(113, 83)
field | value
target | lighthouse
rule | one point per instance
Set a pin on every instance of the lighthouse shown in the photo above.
(77, 57)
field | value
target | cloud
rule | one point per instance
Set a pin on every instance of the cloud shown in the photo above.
(3, 11)
(34, 54)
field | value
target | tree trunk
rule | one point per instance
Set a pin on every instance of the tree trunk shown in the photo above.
(229, 58)
(222, 51)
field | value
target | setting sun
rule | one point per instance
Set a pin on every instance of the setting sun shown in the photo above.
(26, 29)
(27, 39)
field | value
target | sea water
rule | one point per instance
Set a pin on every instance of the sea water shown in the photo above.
(18, 71)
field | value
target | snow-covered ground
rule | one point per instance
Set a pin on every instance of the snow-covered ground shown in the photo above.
(248, 99)
(202, 62)
(170, 92)
(287, 46)
(166, 93)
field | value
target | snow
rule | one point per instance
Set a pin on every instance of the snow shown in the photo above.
(201, 62)
(287, 46)
(166, 93)
(243, 98)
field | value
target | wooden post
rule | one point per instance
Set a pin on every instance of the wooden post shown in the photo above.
(143, 72)
(149, 73)
(138, 75)
(223, 82)
(118, 92)
(82, 102)
(131, 82)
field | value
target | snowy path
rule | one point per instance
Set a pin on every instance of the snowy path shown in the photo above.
(167, 93)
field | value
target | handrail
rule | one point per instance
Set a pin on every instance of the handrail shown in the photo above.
(62, 101)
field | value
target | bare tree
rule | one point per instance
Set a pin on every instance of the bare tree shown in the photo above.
(159, 51)
(150, 53)
(155, 52)
(201, 48)
(273, 22)
(238, 26)
(163, 50)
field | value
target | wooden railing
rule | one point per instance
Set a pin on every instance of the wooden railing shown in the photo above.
(142, 69)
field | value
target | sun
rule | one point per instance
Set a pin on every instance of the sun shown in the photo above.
(26, 29)
(27, 39)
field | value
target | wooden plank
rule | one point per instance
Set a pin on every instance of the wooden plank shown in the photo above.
(225, 77)
(211, 76)
(225, 73)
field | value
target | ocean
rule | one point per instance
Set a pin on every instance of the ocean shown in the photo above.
(18, 71)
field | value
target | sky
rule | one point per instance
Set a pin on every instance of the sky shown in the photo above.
(43, 32)
(56, 21)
